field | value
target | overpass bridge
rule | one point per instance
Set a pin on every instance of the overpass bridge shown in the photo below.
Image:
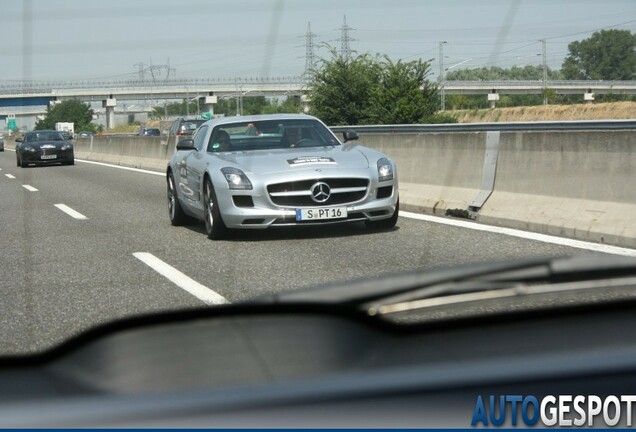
(272, 86)
(537, 86)
(31, 98)
(141, 90)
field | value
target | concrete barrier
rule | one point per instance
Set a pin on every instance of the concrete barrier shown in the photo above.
(579, 185)
(139, 152)
(437, 171)
(575, 184)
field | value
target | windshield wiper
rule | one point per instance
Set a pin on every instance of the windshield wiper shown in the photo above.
(370, 295)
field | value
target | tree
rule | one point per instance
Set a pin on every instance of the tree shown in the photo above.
(606, 55)
(402, 94)
(495, 73)
(174, 109)
(341, 89)
(73, 111)
(372, 90)
(291, 105)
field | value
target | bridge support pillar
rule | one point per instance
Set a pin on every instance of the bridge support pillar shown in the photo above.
(208, 105)
(493, 98)
(109, 105)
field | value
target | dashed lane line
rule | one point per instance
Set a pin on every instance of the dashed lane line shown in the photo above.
(193, 287)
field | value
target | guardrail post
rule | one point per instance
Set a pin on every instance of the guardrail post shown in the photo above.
(488, 173)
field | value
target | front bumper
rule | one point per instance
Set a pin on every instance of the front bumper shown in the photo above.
(265, 214)
(62, 157)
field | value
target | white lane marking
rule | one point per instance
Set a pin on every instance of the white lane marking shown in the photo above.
(201, 292)
(123, 167)
(69, 211)
(30, 188)
(11, 176)
(596, 247)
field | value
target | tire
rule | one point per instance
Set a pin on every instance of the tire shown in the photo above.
(214, 225)
(175, 212)
(17, 161)
(384, 224)
(71, 162)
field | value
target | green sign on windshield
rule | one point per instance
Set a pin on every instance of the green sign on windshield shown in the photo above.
(206, 115)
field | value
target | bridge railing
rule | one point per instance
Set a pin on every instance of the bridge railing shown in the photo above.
(41, 87)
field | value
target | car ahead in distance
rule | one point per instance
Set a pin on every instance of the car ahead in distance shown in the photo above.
(43, 147)
(181, 128)
(184, 127)
(294, 172)
(150, 132)
(85, 134)
(1, 142)
(66, 135)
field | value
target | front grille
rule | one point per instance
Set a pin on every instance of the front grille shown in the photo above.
(298, 194)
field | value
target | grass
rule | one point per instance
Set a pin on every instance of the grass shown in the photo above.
(599, 111)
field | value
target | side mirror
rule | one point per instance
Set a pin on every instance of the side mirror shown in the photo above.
(185, 144)
(350, 135)
(18, 139)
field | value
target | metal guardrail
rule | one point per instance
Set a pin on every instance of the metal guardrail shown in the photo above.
(484, 127)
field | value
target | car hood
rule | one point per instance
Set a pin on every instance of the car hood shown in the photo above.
(346, 157)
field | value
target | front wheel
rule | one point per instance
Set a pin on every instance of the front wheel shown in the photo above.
(214, 225)
(175, 212)
(386, 223)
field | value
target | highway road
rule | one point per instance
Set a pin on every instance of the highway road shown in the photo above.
(77, 242)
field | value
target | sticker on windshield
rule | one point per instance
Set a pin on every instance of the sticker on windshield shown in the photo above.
(311, 160)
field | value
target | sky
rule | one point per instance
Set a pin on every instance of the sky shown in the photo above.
(70, 40)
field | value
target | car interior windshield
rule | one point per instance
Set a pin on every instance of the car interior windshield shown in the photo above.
(270, 134)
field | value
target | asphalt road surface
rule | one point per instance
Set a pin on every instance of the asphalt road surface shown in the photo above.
(77, 245)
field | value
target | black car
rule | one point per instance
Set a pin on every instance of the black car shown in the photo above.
(42, 147)
(150, 132)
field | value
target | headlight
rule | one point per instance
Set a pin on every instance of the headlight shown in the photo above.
(66, 147)
(236, 179)
(385, 170)
(28, 148)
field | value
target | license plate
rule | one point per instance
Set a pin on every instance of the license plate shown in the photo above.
(319, 214)
(48, 157)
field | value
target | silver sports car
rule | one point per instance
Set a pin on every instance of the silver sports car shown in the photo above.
(278, 170)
